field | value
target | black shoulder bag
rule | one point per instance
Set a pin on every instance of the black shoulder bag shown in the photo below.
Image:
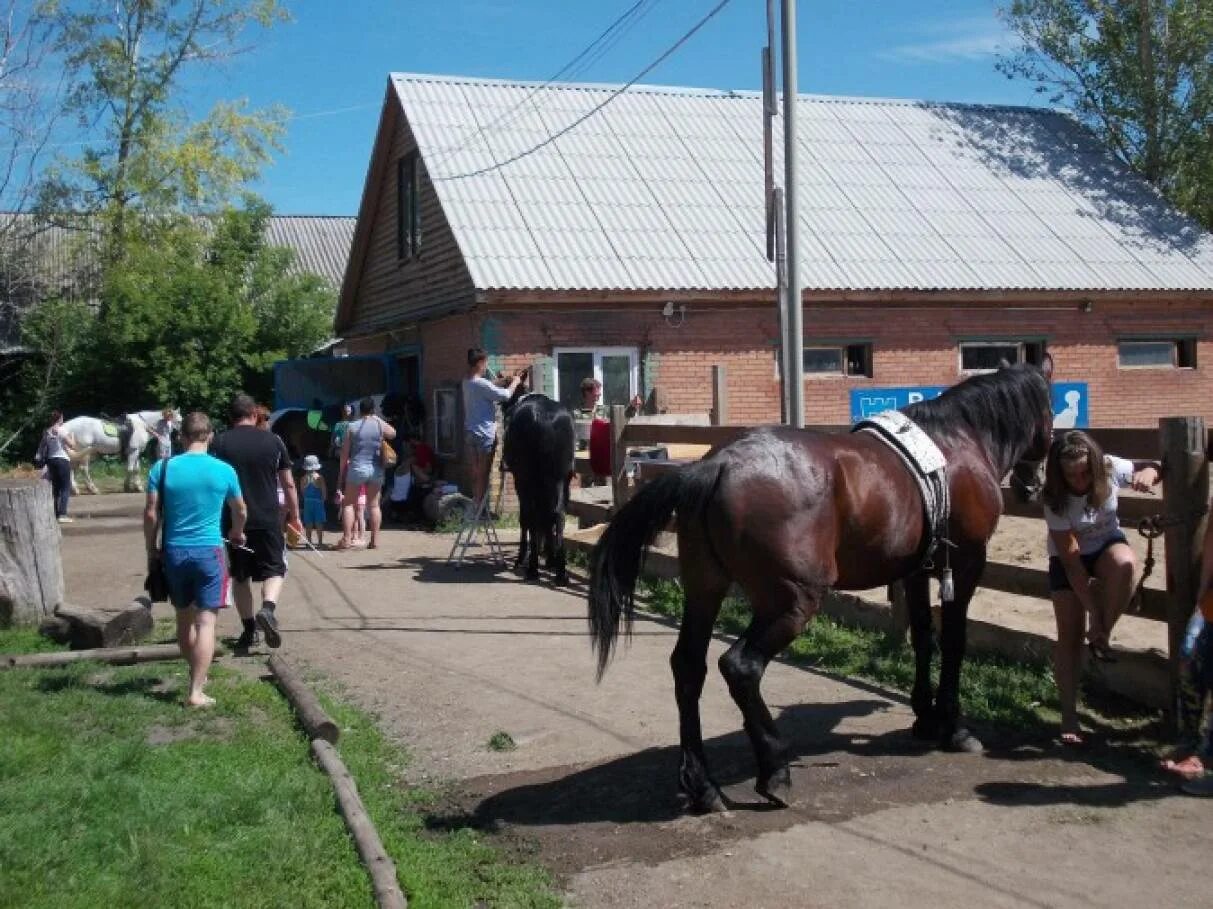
(156, 583)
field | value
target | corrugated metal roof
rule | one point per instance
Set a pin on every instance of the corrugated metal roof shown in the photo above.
(662, 190)
(321, 244)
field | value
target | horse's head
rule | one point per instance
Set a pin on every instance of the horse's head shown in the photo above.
(1026, 480)
(523, 389)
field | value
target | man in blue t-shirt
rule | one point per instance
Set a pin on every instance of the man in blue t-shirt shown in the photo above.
(186, 495)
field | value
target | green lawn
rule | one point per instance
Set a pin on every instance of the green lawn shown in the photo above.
(1014, 694)
(111, 794)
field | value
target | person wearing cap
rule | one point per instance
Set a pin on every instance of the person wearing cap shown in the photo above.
(314, 495)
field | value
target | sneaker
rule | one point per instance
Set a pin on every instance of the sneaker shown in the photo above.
(247, 640)
(64, 519)
(268, 623)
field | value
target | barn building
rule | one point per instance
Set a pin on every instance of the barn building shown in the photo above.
(623, 235)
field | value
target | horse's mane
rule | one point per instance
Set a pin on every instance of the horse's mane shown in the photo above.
(1004, 408)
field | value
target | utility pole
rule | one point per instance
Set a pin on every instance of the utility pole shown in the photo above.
(794, 344)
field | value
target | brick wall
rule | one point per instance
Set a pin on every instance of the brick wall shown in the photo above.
(911, 346)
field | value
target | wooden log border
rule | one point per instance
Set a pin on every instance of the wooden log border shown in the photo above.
(315, 721)
(379, 865)
(323, 733)
(115, 655)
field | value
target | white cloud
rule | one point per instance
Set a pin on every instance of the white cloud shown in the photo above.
(956, 41)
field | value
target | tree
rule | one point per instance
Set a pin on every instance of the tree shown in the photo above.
(128, 60)
(197, 310)
(1139, 73)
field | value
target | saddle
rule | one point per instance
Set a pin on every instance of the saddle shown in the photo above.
(926, 464)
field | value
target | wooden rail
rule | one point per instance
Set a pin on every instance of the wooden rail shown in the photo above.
(1182, 444)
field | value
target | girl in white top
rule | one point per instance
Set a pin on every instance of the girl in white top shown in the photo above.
(1091, 565)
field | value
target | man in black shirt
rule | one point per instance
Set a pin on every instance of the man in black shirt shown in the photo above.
(263, 465)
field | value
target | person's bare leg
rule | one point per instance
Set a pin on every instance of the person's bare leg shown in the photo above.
(270, 588)
(375, 511)
(242, 593)
(185, 633)
(202, 653)
(1116, 570)
(349, 502)
(1066, 659)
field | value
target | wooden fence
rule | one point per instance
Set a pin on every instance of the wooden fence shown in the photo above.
(1182, 444)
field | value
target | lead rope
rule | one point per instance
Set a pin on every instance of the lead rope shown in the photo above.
(1152, 528)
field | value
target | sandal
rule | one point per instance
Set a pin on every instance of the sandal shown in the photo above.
(1072, 740)
(342, 546)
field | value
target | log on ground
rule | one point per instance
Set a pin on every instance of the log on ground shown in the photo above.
(115, 655)
(379, 865)
(317, 723)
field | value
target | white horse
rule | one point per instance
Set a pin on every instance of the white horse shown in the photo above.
(91, 437)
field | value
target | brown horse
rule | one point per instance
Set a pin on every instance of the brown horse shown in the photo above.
(787, 514)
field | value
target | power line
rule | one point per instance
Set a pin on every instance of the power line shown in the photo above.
(596, 108)
(607, 39)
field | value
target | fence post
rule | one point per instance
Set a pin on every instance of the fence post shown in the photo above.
(1185, 491)
(619, 456)
(720, 397)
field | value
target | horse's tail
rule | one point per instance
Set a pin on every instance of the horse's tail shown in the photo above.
(616, 559)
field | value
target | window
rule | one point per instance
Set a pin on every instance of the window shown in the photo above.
(1177, 353)
(838, 360)
(408, 208)
(446, 421)
(986, 356)
(617, 368)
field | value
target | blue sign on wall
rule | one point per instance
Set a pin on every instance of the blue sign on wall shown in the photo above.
(1069, 401)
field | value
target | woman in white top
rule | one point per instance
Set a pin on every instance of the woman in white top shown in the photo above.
(55, 452)
(1091, 565)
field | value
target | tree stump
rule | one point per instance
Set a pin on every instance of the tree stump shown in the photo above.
(88, 629)
(31, 574)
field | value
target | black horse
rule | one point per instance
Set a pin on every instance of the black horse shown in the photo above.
(539, 445)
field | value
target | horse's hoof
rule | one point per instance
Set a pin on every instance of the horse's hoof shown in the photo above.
(925, 730)
(963, 742)
(777, 787)
(708, 801)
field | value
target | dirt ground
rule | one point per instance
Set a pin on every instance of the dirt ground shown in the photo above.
(447, 658)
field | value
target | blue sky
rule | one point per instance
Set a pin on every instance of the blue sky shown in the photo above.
(330, 65)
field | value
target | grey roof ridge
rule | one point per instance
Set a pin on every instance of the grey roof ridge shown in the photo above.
(705, 92)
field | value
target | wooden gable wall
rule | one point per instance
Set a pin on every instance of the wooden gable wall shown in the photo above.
(384, 291)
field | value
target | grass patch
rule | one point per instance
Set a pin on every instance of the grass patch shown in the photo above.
(25, 640)
(993, 690)
(112, 794)
(501, 741)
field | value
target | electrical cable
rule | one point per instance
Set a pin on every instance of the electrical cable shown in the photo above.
(592, 111)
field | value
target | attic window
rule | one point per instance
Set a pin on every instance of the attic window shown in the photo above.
(408, 208)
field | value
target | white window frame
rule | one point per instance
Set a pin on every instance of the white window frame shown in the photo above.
(1018, 343)
(1175, 351)
(632, 353)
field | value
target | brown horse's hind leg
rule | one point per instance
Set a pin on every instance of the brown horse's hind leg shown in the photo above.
(743, 666)
(705, 586)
